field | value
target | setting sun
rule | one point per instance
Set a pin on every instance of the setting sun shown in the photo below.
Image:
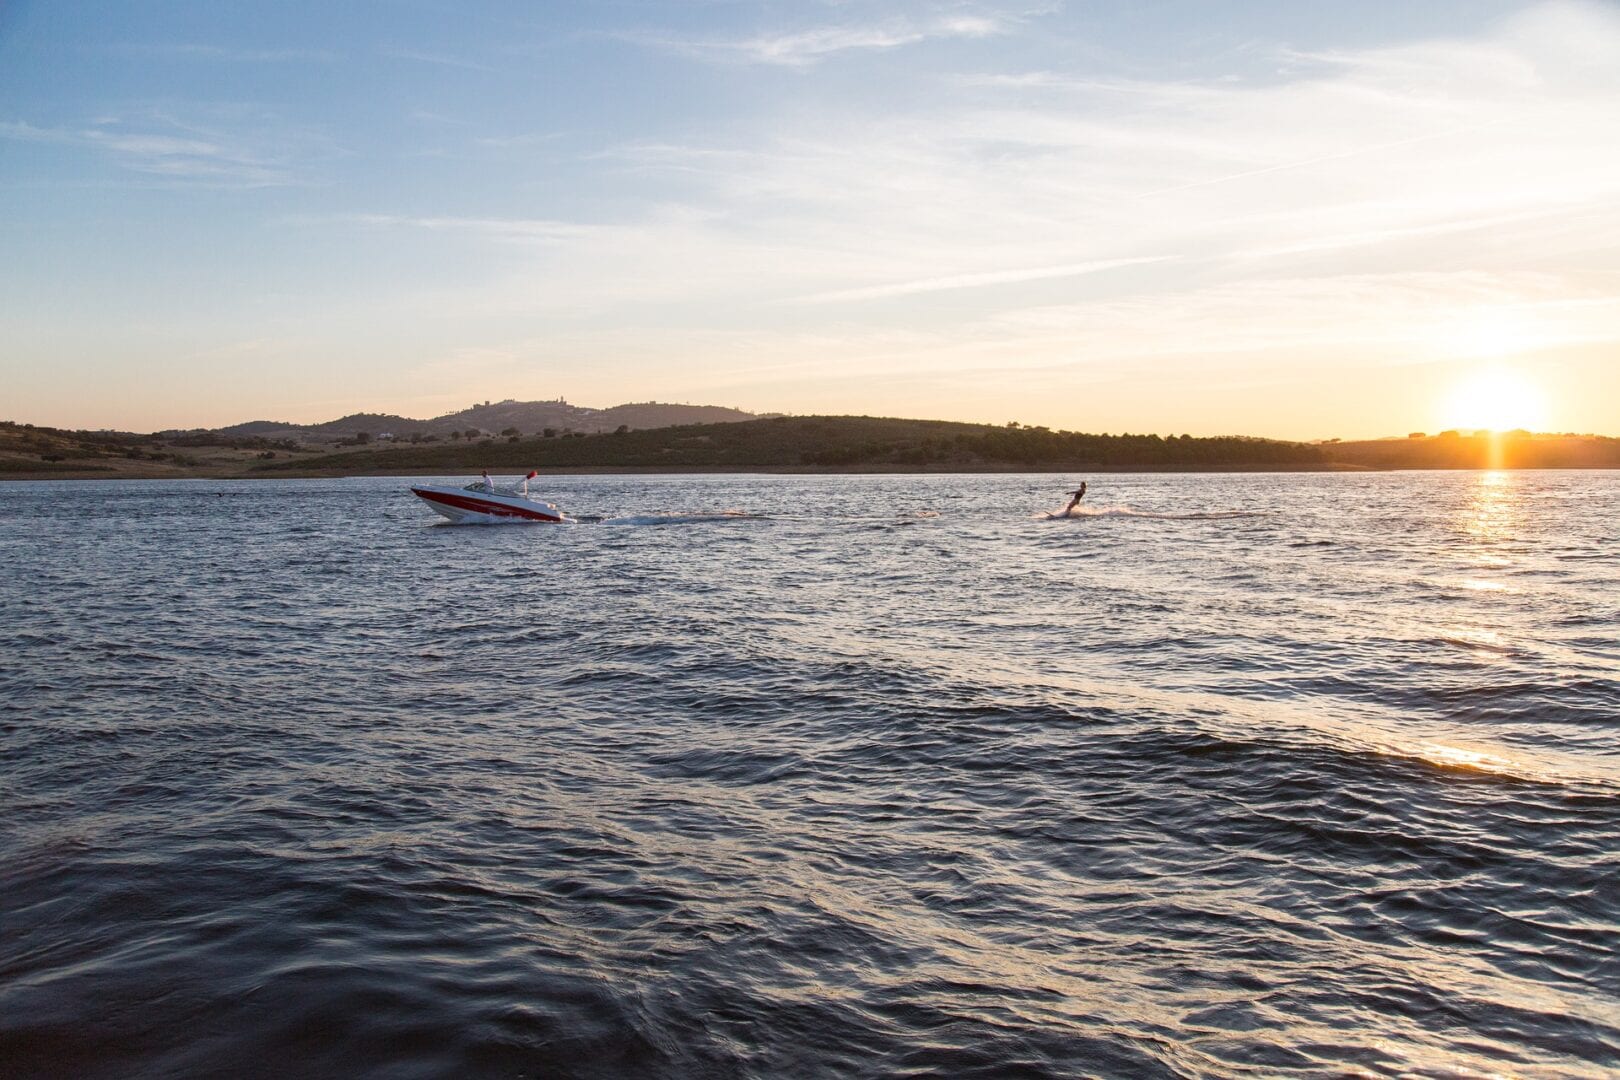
(1497, 400)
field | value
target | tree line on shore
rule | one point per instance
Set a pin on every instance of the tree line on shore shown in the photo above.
(841, 442)
(819, 443)
(873, 443)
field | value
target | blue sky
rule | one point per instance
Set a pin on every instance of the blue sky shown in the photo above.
(1273, 218)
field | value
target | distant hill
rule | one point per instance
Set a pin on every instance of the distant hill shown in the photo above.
(1503, 450)
(805, 443)
(30, 449)
(830, 443)
(256, 429)
(493, 418)
(533, 417)
(651, 414)
(371, 424)
(27, 450)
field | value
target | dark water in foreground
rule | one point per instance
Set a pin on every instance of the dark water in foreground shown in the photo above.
(898, 781)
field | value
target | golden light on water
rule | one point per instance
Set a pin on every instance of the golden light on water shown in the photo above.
(1489, 517)
(1496, 399)
(1491, 511)
(1457, 757)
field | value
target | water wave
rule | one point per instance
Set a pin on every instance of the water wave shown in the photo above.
(866, 792)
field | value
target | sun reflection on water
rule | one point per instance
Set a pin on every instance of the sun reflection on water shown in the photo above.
(1487, 640)
(1457, 757)
(1491, 512)
(1488, 518)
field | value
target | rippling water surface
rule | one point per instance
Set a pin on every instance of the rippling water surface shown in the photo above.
(1232, 776)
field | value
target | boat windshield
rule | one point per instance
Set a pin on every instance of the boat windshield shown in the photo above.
(509, 490)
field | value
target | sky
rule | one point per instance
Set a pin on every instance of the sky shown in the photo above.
(1261, 217)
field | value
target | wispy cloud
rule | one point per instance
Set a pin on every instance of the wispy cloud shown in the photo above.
(180, 157)
(1342, 213)
(226, 54)
(525, 139)
(436, 59)
(505, 230)
(452, 371)
(1321, 159)
(983, 239)
(976, 280)
(806, 46)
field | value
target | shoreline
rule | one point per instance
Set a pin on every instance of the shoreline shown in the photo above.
(669, 470)
(773, 470)
(789, 446)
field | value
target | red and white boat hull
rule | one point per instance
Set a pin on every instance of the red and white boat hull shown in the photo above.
(462, 505)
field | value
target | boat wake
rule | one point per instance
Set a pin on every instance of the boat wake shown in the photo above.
(629, 519)
(700, 518)
(1081, 512)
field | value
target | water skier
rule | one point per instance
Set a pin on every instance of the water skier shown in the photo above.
(1074, 502)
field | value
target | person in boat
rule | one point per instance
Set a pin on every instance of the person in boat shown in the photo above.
(489, 485)
(1074, 502)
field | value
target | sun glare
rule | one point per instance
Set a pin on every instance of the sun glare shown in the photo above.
(1489, 334)
(1496, 400)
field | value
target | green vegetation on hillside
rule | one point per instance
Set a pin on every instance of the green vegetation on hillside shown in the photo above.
(28, 450)
(809, 443)
(832, 442)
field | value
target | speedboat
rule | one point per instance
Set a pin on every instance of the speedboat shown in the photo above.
(483, 502)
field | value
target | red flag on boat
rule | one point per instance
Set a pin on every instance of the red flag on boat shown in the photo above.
(532, 474)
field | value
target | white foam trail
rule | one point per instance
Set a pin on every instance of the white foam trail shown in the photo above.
(1130, 512)
(681, 519)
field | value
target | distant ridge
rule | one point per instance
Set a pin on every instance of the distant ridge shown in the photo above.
(525, 417)
(871, 443)
(787, 443)
(1480, 450)
(827, 443)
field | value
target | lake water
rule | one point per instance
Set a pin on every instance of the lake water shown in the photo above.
(1238, 775)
